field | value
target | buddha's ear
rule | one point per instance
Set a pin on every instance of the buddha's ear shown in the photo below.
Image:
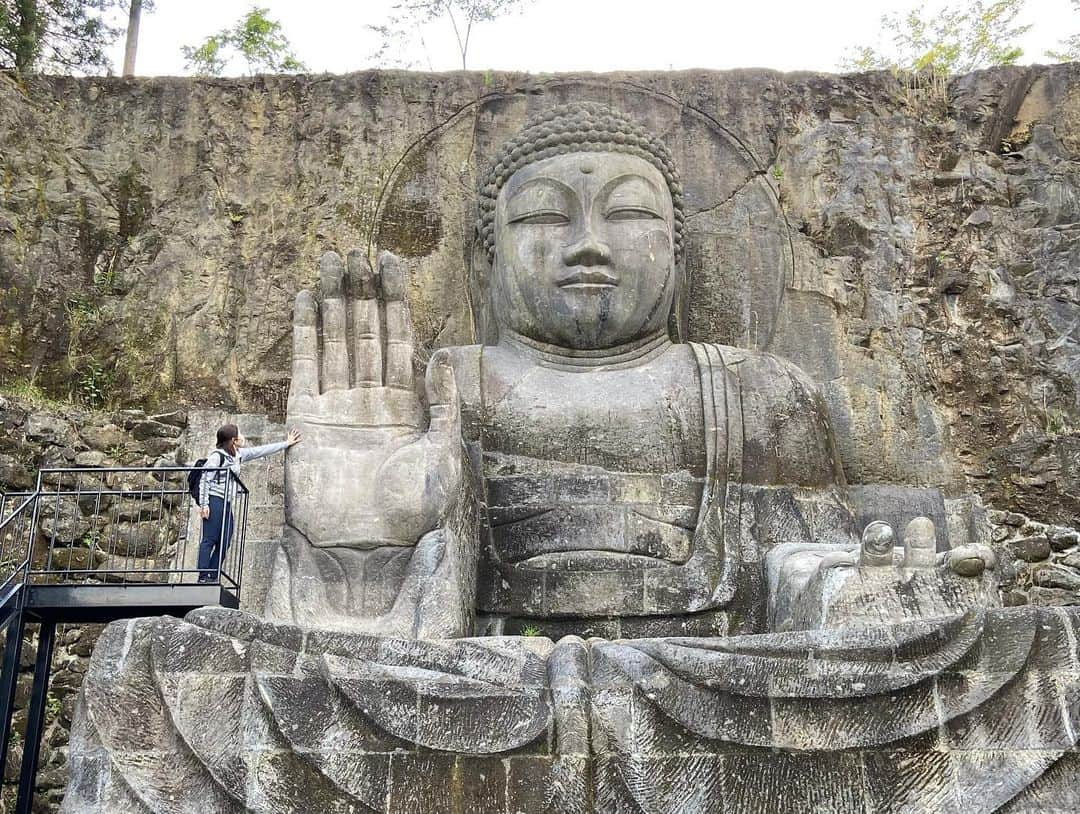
(479, 292)
(679, 318)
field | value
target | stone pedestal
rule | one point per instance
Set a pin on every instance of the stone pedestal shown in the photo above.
(222, 712)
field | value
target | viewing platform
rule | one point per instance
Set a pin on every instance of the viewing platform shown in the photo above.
(94, 545)
(97, 545)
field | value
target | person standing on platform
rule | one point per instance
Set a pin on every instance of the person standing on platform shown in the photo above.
(216, 490)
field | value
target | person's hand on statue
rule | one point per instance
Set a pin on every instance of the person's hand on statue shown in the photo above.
(368, 473)
(293, 438)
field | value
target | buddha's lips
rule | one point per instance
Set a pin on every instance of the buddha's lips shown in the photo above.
(588, 278)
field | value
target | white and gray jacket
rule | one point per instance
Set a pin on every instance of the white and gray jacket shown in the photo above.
(215, 484)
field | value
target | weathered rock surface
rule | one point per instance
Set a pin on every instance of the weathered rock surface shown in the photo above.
(924, 247)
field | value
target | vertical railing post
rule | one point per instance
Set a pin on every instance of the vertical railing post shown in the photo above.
(9, 676)
(242, 543)
(35, 722)
(32, 533)
(225, 510)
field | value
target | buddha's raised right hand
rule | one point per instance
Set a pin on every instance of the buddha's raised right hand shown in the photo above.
(368, 474)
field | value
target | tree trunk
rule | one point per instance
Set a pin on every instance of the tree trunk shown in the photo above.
(29, 35)
(132, 37)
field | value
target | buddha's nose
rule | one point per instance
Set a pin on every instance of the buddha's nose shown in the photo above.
(588, 251)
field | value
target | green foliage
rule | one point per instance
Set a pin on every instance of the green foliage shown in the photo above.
(400, 30)
(93, 383)
(1070, 47)
(961, 38)
(255, 38)
(92, 539)
(1056, 423)
(117, 451)
(81, 312)
(53, 707)
(530, 631)
(1070, 50)
(27, 390)
(60, 36)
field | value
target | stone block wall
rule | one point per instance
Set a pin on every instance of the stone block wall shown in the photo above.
(37, 433)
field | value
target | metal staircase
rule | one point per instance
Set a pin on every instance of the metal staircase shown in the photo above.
(96, 545)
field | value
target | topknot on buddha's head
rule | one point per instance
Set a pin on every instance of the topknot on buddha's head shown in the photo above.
(579, 127)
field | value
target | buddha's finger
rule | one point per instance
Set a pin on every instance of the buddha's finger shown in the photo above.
(399, 331)
(367, 333)
(305, 351)
(335, 351)
(443, 399)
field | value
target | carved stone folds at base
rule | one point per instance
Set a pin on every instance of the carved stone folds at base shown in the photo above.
(222, 712)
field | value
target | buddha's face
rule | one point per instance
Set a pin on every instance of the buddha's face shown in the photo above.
(584, 251)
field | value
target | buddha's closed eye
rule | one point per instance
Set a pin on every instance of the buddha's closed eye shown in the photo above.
(541, 217)
(632, 212)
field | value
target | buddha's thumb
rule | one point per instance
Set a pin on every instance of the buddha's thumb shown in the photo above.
(443, 396)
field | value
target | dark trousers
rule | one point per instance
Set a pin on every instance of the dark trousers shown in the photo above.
(216, 535)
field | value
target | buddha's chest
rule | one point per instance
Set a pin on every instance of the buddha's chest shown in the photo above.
(646, 418)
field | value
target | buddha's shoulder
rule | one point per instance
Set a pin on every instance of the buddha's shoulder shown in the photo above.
(762, 375)
(787, 437)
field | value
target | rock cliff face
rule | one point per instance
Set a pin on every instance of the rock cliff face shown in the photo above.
(914, 249)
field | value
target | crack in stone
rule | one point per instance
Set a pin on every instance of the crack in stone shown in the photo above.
(729, 197)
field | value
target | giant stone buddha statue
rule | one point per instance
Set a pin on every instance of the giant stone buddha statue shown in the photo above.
(671, 517)
(608, 454)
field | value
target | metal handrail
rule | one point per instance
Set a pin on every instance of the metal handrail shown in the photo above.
(20, 568)
(88, 496)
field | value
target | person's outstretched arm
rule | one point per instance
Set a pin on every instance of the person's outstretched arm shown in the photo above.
(251, 453)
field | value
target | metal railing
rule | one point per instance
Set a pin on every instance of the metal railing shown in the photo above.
(16, 522)
(102, 544)
(123, 525)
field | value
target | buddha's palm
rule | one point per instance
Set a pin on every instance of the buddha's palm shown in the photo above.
(367, 474)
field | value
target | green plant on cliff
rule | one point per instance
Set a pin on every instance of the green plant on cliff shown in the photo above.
(255, 38)
(62, 36)
(958, 39)
(93, 383)
(1056, 423)
(117, 451)
(53, 707)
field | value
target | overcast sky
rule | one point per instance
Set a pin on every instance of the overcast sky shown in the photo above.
(575, 35)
